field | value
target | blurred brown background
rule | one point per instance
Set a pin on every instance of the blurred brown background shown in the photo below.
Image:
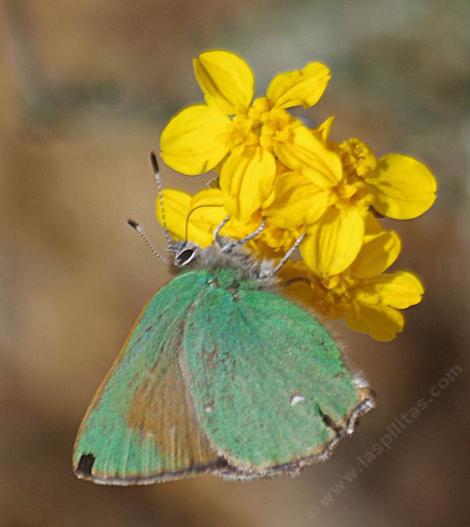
(85, 88)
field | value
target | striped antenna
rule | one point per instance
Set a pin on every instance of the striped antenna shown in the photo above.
(156, 174)
(140, 231)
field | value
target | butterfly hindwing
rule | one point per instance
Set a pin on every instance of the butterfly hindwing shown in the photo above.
(141, 425)
(268, 382)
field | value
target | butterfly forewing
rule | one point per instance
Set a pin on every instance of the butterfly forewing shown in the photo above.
(141, 426)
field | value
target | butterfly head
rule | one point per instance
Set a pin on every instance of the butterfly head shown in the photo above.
(184, 253)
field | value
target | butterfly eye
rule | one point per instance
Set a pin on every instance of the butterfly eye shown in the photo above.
(185, 256)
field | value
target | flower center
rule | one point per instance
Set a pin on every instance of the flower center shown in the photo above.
(262, 126)
(358, 159)
(339, 289)
(345, 195)
(278, 239)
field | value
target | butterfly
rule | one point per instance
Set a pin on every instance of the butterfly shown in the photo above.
(221, 374)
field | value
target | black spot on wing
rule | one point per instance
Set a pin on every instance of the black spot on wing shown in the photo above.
(85, 465)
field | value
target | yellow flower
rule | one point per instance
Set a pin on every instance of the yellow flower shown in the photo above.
(274, 241)
(246, 138)
(333, 217)
(366, 296)
(273, 169)
(402, 187)
(195, 218)
(334, 213)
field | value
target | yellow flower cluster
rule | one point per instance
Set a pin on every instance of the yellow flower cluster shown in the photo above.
(272, 167)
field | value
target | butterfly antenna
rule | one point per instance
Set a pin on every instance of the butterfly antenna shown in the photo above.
(158, 179)
(140, 231)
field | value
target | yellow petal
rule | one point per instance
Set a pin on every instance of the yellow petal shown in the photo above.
(176, 207)
(400, 290)
(240, 228)
(195, 140)
(323, 131)
(382, 323)
(372, 224)
(226, 80)
(377, 254)
(302, 150)
(403, 187)
(207, 211)
(192, 218)
(334, 241)
(207, 206)
(246, 180)
(296, 201)
(299, 87)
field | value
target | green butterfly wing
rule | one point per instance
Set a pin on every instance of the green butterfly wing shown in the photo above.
(218, 377)
(268, 383)
(141, 426)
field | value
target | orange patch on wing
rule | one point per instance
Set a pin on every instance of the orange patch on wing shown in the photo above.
(161, 408)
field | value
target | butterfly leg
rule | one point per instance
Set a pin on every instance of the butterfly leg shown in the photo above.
(219, 240)
(283, 260)
(253, 234)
